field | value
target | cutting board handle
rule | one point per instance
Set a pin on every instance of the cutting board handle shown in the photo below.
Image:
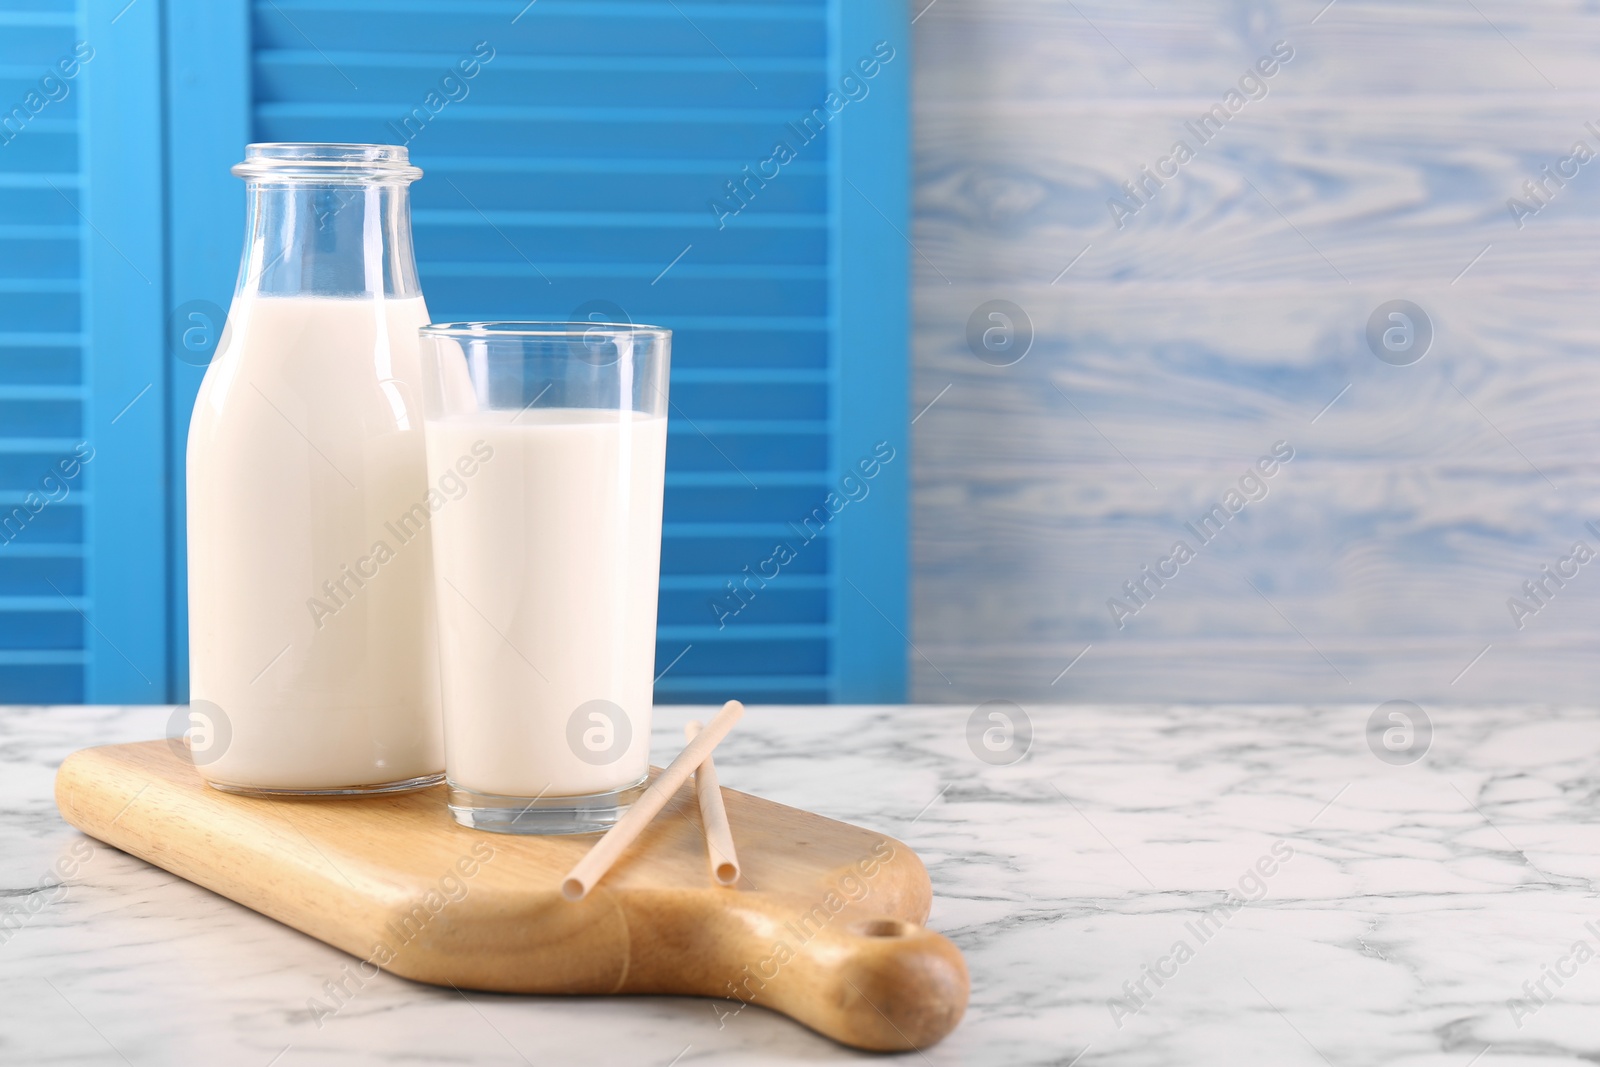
(880, 984)
(874, 983)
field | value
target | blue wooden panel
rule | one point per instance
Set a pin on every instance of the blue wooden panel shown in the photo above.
(43, 650)
(780, 347)
(534, 197)
(794, 602)
(583, 165)
(38, 200)
(126, 425)
(48, 628)
(208, 97)
(1226, 315)
(42, 683)
(35, 576)
(769, 651)
(872, 324)
(562, 28)
(43, 308)
(709, 553)
(52, 255)
(24, 363)
(41, 418)
(525, 81)
(580, 164)
(501, 295)
(693, 449)
(443, 236)
(60, 527)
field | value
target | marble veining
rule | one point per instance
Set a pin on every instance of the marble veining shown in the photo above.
(1332, 908)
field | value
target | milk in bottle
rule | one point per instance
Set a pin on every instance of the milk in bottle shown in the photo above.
(313, 665)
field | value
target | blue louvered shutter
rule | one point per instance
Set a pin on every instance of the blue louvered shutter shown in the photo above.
(83, 580)
(575, 171)
(42, 649)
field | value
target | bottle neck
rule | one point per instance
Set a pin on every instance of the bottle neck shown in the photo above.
(329, 239)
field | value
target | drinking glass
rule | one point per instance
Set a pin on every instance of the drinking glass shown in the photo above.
(546, 447)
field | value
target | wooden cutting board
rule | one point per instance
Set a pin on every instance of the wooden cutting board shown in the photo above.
(825, 925)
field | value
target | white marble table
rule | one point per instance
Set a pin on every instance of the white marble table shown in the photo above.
(1415, 903)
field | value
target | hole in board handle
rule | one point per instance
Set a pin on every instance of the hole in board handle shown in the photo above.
(884, 928)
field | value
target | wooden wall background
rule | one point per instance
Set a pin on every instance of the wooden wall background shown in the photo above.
(1225, 316)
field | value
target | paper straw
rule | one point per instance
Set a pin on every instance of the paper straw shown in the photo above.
(714, 818)
(594, 865)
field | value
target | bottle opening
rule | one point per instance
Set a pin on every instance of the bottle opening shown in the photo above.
(312, 161)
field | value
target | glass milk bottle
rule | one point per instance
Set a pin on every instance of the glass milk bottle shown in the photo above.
(313, 664)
